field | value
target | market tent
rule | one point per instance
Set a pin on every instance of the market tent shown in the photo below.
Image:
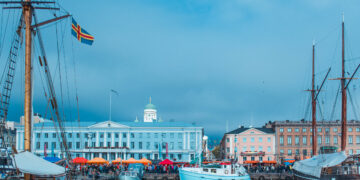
(97, 160)
(251, 162)
(79, 160)
(269, 162)
(52, 159)
(130, 161)
(27, 162)
(118, 160)
(166, 162)
(144, 161)
(314, 165)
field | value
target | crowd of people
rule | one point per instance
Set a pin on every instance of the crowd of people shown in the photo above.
(277, 168)
(162, 169)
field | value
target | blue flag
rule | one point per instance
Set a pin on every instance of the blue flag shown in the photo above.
(80, 33)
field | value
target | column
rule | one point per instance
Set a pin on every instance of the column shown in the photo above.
(128, 139)
(196, 141)
(18, 140)
(97, 138)
(112, 139)
(184, 141)
(120, 139)
(188, 140)
(105, 139)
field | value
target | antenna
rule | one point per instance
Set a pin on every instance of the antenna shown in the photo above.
(150, 99)
(227, 126)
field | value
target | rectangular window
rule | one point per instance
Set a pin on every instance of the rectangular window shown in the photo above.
(335, 130)
(268, 149)
(281, 140)
(252, 139)
(108, 144)
(37, 135)
(319, 129)
(140, 135)
(289, 152)
(281, 130)
(296, 129)
(101, 135)
(319, 139)
(289, 129)
(124, 135)
(156, 145)
(132, 145)
(109, 135)
(148, 135)
(53, 145)
(281, 151)
(289, 140)
(350, 139)
(163, 135)
(260, 148)
(244, 158)
(260, 139)
(335, 140)
(327, 139)
(180, 145)
(357, 130)
(148, 145)
(70, 145)
(358, 151)
(171, 145)
(227, 140)
(297, 140)
(350, 151)
(46, 135)
(304, 152)
(235, 140)
(171, 135)
(244, 148)
(244, 139)
(101, 144)
(304, 138)
(228, 150)
(297, 152)
(252, 148)
(124, 144)
(78, 135)
(349, 129)
(77, 145)
(357, 139)
(140, 145)
(132, 135)
(116, 144)
(156, 135)
(269, 139)
(327, 129)
(54, 135)
(180, 135)
(116, 135)
(46, 144)
(303, 129)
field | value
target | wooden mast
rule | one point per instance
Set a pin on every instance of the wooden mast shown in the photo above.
(27, 13)
(343, 95)
(313, 103)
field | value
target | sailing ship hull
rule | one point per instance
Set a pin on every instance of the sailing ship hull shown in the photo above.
(189, 175)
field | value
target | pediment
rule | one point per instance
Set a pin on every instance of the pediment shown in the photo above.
(108, 124)
(252, 131)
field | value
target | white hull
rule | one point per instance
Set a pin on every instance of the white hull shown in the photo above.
(193, 175)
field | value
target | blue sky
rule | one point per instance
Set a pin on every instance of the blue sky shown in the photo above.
(205, 61)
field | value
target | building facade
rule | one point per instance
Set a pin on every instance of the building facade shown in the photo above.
(249, 144)
(110, 140)
(294, 138)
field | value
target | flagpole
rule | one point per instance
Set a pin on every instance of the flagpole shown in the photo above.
(110, 107)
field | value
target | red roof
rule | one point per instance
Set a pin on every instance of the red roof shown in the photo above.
(166, 162)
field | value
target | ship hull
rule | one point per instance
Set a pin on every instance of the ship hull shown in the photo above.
(300, 176)
(188, 175)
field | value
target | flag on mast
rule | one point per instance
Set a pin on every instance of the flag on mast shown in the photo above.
(80, 33)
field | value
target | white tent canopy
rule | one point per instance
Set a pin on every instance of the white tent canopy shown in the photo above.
(314, 165)
(27, 162)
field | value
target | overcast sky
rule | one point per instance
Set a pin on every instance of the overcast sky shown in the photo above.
(205, 61)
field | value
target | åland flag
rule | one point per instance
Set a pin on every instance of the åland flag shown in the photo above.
(80, 33)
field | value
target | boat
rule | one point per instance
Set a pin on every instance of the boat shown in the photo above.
(135, 172)
(329, 164)
(214, 171)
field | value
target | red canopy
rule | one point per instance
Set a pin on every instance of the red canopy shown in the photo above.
(79, 160)
(166, 162)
